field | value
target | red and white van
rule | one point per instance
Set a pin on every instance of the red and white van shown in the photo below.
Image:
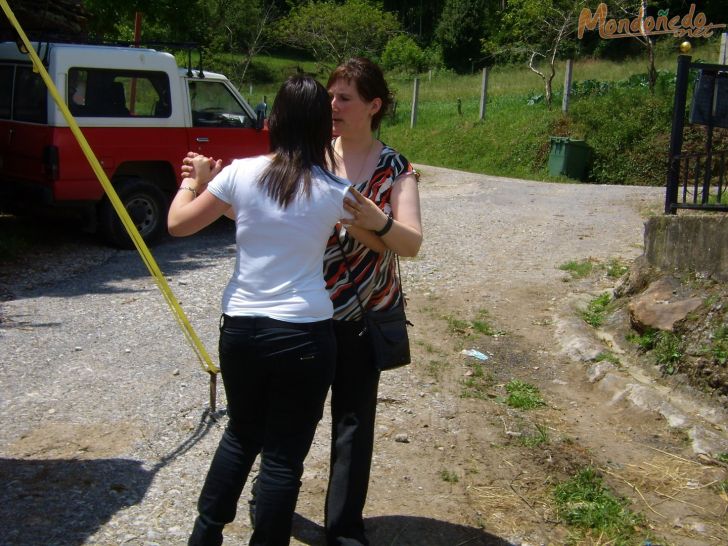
(140, 113)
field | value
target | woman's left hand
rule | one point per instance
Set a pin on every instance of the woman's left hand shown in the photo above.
(364, 213)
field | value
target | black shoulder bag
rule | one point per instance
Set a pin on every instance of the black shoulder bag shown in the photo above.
(387, 329)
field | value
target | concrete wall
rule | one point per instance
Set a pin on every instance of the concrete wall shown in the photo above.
(689, 243)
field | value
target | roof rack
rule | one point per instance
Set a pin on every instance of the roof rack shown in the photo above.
(45, 37)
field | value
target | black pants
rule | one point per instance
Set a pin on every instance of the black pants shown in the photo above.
(353, 409)
(276, 376)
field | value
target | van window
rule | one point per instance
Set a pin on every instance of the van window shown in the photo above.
(6, 90)
(30, 97)
(213, 105)
(118, 93)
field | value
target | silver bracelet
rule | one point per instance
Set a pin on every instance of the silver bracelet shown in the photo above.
(193, 190)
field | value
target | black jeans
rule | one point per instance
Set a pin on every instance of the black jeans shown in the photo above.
(276, 376)
(353, 409)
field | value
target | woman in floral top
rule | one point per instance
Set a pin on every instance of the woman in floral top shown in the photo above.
(386, 223)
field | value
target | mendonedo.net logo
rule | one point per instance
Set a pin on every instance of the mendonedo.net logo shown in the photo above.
(692, 25)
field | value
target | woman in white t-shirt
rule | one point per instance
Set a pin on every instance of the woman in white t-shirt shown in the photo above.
(277, 347)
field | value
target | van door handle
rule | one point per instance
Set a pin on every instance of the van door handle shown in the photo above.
(202, 139)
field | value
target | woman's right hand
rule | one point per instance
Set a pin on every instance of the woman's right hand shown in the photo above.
(189, 172)
(199, 169)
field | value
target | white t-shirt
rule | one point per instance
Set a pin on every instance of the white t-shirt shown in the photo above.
(279, 265)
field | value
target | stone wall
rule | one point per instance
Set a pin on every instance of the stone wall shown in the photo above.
(695, 243)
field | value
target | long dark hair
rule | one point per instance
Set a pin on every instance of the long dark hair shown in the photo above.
(369, 81)
(300, 136)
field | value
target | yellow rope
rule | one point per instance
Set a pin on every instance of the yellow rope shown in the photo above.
(139, 243)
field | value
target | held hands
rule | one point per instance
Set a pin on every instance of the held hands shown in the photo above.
(197, 170)
(364, 213)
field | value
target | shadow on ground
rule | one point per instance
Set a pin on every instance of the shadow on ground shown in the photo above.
(64, 501)
(404, 531)
(31, 249)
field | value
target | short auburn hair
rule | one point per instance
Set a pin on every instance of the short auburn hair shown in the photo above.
(369, 81)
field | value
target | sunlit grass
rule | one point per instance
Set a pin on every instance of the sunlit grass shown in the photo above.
(587, 504)
(596, 311)
(578, 269)
(523, 395)
(513, 139)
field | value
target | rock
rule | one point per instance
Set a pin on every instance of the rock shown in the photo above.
(707, 442)
(660, 307)
(639, 276)
(599, 370)
(402, 438)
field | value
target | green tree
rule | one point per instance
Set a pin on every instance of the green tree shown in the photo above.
(238, 27)
(537, 31)
(65, 18)
(162, 20)
(231, 31)
(459, 33)
(417, 17)
(402, 53)
(333, 32)
(641, 9)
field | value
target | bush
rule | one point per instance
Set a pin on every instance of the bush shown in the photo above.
(404, 55)
(628, 128)
(668, 352)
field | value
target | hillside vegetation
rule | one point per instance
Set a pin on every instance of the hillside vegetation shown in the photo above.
(611, 108)
(623, 114)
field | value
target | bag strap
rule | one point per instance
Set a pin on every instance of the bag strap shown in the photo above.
(351, 278)
(356, 286)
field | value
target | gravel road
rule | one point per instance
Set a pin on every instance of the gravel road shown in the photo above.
(105, 437)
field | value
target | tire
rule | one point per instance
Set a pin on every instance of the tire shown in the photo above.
(146, 204)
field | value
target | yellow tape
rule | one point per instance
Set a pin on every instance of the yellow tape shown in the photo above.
(139, 243)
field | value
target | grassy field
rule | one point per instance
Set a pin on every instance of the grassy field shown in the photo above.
(513, 140)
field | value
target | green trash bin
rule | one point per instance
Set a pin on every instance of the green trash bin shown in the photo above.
(569, 157)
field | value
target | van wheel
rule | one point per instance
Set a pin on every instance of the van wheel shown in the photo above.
(147, 206)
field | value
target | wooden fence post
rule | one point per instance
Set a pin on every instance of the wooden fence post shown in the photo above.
(483, 93)
(415, 97)
(567, 86)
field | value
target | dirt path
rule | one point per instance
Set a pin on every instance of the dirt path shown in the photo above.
(104, 440)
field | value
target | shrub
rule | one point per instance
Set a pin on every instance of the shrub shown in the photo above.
(404, 55)
(645, 341)
(720, 345)
(628, 129)
(668, 351)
